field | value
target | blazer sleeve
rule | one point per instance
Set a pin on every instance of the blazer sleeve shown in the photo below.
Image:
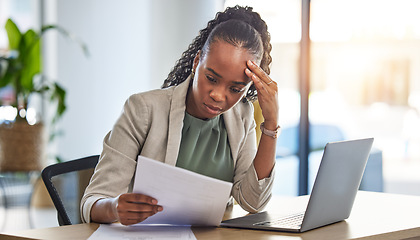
(250, 193)
(118, 159)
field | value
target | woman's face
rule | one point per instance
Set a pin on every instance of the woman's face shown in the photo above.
(219, 80)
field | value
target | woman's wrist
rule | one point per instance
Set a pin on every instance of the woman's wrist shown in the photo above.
(271, 125)
(113, 213)
(271, 133)
(104, 210)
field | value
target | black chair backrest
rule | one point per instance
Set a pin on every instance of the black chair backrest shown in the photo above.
(61, 168)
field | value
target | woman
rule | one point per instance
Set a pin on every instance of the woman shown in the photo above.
(201, 121)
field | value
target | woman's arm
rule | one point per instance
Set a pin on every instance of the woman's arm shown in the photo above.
(117, 164)
(268, 100)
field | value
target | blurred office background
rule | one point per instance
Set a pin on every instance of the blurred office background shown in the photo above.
(364, 75)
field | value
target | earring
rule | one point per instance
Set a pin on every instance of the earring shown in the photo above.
(192, 73)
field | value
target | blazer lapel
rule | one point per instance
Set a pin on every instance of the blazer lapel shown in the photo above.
(235, 132)
(176, 122)
(236, 129)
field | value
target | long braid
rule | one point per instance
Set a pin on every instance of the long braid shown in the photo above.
(183, 66)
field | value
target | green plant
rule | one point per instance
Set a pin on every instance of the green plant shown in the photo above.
(22, 69)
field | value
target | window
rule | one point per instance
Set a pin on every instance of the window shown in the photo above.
(364, 80)
(25, 14)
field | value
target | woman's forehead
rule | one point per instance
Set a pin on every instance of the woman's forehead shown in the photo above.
(227, 61)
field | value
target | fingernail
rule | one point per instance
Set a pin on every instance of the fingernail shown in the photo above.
(251, 62)
(160, 209)
(247, 70)
(154, 201)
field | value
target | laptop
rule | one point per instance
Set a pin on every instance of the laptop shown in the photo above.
(335, 188)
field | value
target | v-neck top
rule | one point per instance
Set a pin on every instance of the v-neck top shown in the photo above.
(205, 148)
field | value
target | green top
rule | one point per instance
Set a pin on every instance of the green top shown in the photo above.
(205, 148)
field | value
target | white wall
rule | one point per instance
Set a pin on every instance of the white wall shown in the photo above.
(173, 27)
(133, 45)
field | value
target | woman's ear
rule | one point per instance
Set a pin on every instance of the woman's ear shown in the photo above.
(196, 60)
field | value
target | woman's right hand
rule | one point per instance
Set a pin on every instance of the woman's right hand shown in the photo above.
(132, 208)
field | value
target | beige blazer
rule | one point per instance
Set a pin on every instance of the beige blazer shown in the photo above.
(151, 125)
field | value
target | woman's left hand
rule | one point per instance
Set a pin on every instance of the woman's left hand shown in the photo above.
(267, 94)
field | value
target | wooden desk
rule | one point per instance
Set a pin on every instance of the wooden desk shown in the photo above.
(374, 216)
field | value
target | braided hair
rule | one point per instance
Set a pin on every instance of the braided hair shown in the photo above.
(183, 66)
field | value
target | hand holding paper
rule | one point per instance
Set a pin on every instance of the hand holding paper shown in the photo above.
(187, 198)
(133, 208)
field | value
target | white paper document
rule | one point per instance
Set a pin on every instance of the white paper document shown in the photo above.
(187, 198)
(141, 232)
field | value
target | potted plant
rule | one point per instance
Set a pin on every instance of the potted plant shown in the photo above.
(22, 140)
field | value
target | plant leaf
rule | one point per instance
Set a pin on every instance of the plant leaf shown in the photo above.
(6, 79)
(59, 159)
(9, 73)
(13, 34)
(30, 51)
(59, 94)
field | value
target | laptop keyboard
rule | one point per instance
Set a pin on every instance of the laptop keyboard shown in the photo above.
(292, 221)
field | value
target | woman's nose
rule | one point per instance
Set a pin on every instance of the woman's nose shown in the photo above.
(217, 95)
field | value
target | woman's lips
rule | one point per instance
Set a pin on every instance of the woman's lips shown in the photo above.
(213, 109)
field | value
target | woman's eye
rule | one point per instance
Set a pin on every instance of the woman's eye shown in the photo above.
(236, 90)
(211, 79)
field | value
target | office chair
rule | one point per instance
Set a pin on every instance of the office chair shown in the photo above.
(68, 214)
